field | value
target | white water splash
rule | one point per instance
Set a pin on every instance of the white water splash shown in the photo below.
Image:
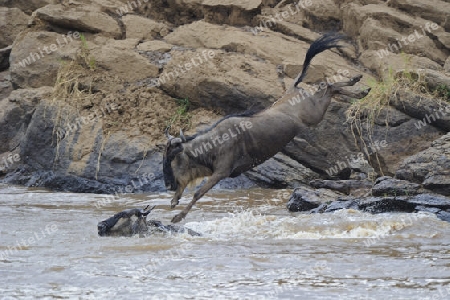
(251, 224)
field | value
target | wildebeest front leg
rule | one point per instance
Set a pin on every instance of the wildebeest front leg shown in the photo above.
(177, 196)
(212, 181)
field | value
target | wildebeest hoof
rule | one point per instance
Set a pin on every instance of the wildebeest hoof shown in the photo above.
(173, 204)
(356, 78)
(363, 93)
(178, 218)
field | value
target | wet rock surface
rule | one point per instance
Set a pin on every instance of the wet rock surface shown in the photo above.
(429, 167)
(308, 200)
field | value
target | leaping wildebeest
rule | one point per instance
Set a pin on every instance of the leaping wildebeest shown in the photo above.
(237, 143)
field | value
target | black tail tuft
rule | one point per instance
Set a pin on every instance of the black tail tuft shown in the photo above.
(327, 41)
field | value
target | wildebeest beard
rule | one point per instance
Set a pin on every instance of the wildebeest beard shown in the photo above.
(169, 155)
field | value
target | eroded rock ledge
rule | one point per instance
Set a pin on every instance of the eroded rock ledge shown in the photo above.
(386, 195)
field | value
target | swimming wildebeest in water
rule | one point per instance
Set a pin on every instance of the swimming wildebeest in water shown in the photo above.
(134, 221)
(249, 139)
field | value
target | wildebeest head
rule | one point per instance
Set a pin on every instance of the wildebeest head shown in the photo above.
(173, 148)
(125, 223)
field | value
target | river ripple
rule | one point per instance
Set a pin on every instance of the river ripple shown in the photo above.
(251, 248)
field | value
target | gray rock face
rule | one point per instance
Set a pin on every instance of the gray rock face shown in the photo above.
(308, 200)
(57, 164)
(4, 58)
(343, 186)
(305, 198)
(394, 187)
(80, 19)
(33, 66)
(281, 171)
(376, 205)
(16, 112)
(429, 167)
(27, 6)
(12, 22)
(427, 110)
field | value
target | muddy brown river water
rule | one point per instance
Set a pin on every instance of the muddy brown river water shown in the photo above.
(251, 248)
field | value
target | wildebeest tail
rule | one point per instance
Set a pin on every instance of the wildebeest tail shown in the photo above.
(327, 41)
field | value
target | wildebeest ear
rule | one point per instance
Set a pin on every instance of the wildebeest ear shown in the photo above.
(147, 210)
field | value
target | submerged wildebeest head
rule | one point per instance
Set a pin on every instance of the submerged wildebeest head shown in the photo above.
(125, 223)
(237, 143)
(134, 221)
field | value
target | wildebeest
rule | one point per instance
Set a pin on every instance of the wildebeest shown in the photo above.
(237, 143)
(134, 221)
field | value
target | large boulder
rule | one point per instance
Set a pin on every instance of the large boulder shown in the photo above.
(305, 198)
(270, 46)
(386, 185)
(281, 171)
(27, 6)
(141, 28)
(80, 18)
(36, 57)
(429, 167)
(16, 112)
(214, 79)
(434, 10)
(12, 22)
(352, 187)
(428, 111)
(122, 59)
(231, 12)
(81, 157)
(392, 137)
(380, 26)
(322, 15)
(395, 62)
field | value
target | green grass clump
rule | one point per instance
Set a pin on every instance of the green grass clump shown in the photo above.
(85, 54)
(443, 91)
(182, 117)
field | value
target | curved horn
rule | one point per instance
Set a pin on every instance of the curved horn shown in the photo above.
(169, 137)
(147, 210)
(183, 138)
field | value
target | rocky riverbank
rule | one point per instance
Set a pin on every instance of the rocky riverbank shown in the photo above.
(87, 88)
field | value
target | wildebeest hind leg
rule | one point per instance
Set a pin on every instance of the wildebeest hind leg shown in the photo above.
(212, 181)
